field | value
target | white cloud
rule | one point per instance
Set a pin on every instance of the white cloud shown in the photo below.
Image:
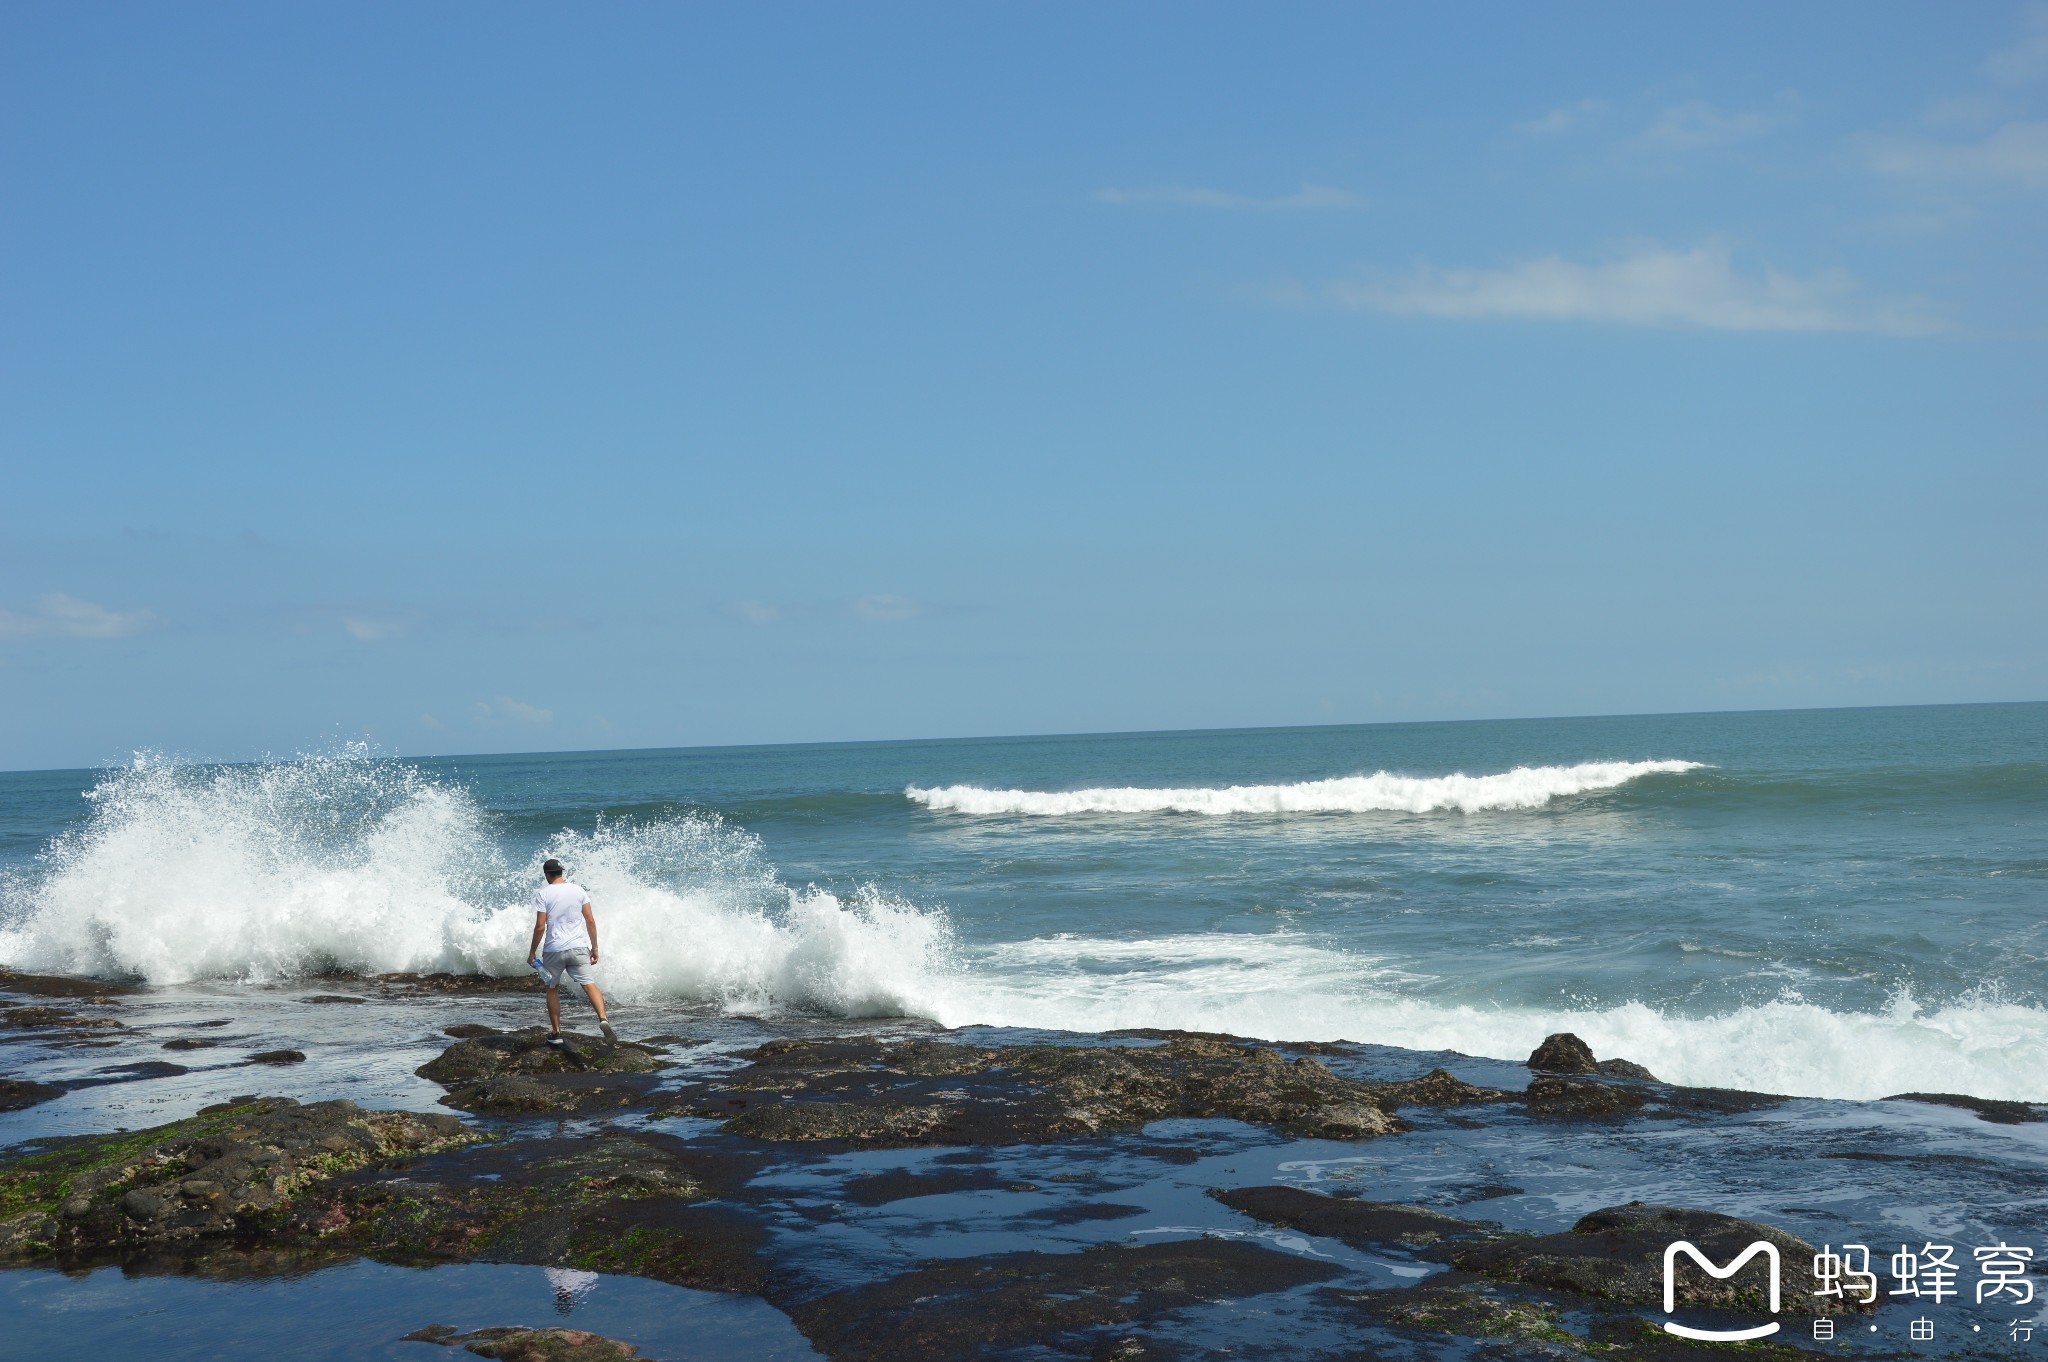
(2014, 154)
(1697, 289)
(1563, 119)
(2026, 59)
(1194, 196)
(885, 609)
(428, 721)
(505, 709)
(1696, 125)
(60, 616)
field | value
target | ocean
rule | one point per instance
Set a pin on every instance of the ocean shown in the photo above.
(1833, 903)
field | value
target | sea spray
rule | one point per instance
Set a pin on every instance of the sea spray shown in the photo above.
(1525, 787)
(347, 863)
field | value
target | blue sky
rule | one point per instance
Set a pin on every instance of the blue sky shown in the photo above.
(495, 377)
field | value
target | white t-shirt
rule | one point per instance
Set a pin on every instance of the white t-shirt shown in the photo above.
(563, 903)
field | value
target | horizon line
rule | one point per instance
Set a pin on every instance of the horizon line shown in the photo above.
(1028, 737)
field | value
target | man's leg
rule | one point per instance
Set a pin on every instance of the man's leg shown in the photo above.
(555, 1009)
(596, 1001)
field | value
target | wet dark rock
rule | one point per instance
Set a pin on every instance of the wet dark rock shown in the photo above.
(61, 986)
(606, 1202)
(50, 1019)
(1160, 1033)
(190, 1043)
(268, 1185)
(1624, 1068)
(518, 1072)
(899, 1184)
(16, 1094)
(1617, 1254)
(1987, 1109)
(218, 1173)
(468, 1030)
(446, 1334)
(1719, 1101)
(1358, 1223)
(1563, 1053)
(1482, 1191)
(868, 1091)
(459, 983)
(130, 1073)
(332, 998)
(277, 1057)
(1465, 1306)
(1438, 1088)
(1580, 1097)
(1170, 1153)
(1081, 1213)
(1074, 1302)
(519, 1344)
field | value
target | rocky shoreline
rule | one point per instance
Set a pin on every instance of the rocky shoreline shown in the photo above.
(622, 1159)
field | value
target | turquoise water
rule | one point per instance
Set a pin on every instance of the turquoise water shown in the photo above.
(1841, 903)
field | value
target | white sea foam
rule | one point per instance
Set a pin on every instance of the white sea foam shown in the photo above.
(1525, 787)
(1284, 987)
(276, 871)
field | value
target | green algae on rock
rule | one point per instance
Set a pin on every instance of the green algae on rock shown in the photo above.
(520, 1344)
(868, 1091)
(518, 1072)
(607, 1201)
(223, 1171)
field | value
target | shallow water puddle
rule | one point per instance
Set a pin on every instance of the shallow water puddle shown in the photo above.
(362, 1311)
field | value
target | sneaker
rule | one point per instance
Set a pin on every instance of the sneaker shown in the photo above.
(554, 1037)
(609, 1034)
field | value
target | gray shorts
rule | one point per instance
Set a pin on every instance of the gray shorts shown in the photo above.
(572, 966)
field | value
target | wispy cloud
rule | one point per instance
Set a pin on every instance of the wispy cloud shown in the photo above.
(1656, 287)
(370, 628)
(1696, 125)
(1563, 119)
(886, 609)
(505, 709)
(754, 612)
(2026, 59)
(1309, 196)
(876, 608)
(60, 616)
(2014, 154)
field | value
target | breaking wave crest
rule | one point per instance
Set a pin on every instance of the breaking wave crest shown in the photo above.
(349, 864)
(1525, 787)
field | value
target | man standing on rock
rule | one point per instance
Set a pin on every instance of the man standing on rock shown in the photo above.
(564, 946)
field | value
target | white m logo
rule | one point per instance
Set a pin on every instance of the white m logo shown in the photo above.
(1671, 1252)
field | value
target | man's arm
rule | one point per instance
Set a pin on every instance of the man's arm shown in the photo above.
(540, 924)
(590, 921)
